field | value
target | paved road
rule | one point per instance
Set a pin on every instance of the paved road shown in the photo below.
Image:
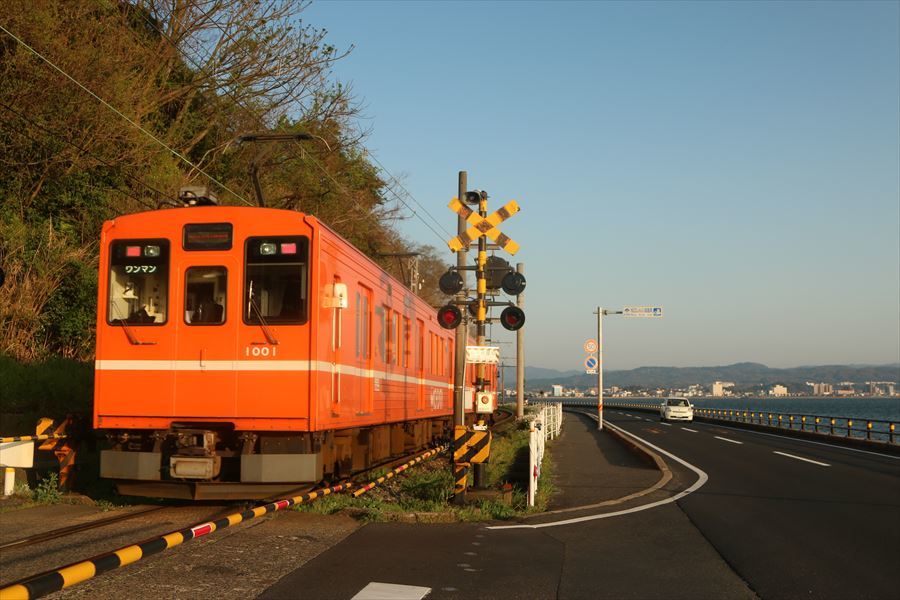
(656, 553)
(790, 527)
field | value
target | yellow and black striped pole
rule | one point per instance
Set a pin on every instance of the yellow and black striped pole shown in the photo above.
(53, 581)
(398, 470)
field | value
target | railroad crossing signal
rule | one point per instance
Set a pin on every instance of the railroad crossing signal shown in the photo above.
(483, 226)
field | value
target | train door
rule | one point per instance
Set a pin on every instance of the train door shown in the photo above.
(336, 302)
(207, 337)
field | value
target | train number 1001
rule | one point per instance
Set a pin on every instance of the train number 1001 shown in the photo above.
(260, 351)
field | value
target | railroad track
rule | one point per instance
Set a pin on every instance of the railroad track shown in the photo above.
(222, 513)
(72, 529)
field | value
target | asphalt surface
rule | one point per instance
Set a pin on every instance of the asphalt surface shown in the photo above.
(789, 527)
(655, 553)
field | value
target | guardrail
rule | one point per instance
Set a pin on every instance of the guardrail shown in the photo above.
(871, 430)
(546, 424)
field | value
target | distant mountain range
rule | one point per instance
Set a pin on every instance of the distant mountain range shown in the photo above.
(741, 374)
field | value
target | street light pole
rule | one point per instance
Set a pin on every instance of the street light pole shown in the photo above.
(599, 314)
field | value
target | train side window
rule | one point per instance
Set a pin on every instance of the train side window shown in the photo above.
(138, 282)
(357, 321)
(449, 357)
(405, 350)
(395, 338)
(367, 323)
(205, 295)
(276, 280)
(382, 337)
(420, 345)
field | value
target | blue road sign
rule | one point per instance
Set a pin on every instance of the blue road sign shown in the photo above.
(590, 363)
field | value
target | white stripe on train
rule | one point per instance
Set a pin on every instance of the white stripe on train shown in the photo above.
(259, 365)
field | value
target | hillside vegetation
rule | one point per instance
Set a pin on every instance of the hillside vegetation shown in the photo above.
(133, 100)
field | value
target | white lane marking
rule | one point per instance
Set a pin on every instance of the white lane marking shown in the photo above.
(809, 460)
(627, 415)
(664, 423)
(702, 478)
(793, 439)
(391, 591)
(691, 430)
(727, 440)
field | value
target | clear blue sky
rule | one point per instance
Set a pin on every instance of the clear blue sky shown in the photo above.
(736, 163)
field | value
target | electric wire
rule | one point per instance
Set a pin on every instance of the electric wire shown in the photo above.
(312, 159)
(195, 62)
(123, 116)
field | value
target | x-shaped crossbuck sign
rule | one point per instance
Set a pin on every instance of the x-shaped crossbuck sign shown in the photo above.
(483, 226)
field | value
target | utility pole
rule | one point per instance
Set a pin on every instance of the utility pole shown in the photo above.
(460, 470)
(520, 354)
(459, 372)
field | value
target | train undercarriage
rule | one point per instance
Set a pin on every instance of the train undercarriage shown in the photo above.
(213, 461)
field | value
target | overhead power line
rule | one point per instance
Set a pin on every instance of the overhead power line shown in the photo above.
(125, 117)
(196, 63)
(292, 96)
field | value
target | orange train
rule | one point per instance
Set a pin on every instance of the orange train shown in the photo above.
(243, 351)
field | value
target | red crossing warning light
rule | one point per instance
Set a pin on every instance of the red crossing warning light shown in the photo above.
(449, 316)
(512, 318)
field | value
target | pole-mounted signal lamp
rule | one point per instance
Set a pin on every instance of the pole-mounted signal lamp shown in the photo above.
(450, 282)
(449, 316)
(512, 318)
(513, 283)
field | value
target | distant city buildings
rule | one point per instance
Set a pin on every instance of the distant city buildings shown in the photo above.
(845, 389)
(720, 388)
(821, 389)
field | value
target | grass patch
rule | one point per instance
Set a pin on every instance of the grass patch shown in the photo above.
(424, 492)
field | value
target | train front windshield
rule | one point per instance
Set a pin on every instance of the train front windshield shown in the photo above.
(276, 280)
(138, 282)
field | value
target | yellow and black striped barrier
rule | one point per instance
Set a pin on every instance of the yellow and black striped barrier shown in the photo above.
(399, 469)
(460, 478)
(32, 438)
(53, 581)
(471, 446)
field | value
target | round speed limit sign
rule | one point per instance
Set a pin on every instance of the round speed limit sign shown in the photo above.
(590, 346)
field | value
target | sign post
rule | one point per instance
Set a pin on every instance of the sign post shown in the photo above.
(628, 311)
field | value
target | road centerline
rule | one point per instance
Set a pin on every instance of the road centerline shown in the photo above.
(809, 460)
(724, 439)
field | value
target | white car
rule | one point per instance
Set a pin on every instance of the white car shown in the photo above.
(676, 409)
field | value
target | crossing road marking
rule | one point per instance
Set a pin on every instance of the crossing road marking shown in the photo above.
(727, 440)
(391, 591)
(809, 460)
(691, 430)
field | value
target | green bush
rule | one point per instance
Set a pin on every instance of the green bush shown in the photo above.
(47, 490)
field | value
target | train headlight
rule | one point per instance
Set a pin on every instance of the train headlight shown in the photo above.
(152, 251)
(267, 248)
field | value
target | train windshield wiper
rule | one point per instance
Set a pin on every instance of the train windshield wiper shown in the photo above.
(128, 332)
(270, 337)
